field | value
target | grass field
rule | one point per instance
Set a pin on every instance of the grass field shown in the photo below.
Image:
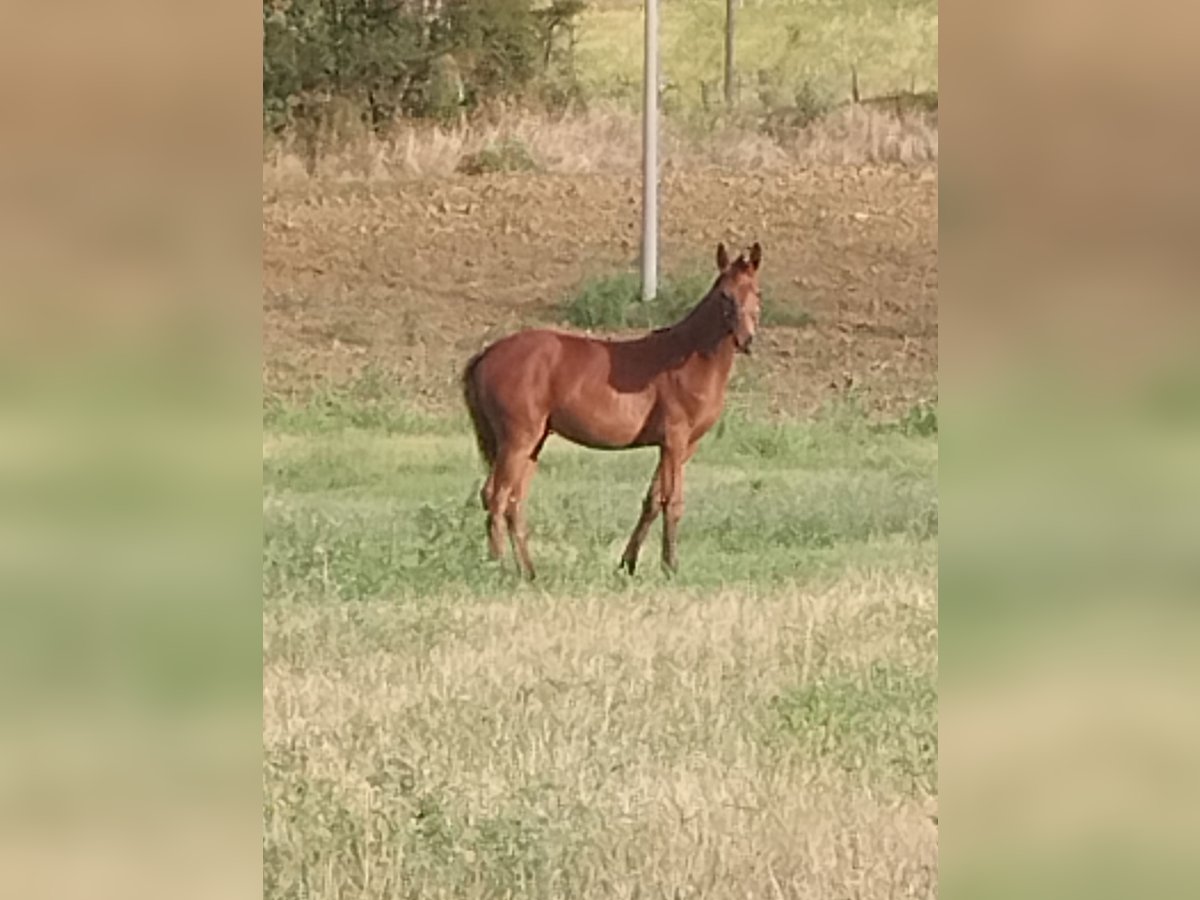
(763, 724)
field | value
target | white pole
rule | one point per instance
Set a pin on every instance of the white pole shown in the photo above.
(650, 156)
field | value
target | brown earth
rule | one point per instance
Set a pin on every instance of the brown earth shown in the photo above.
(409, 278)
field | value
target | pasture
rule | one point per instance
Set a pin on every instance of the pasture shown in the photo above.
(434, 727)
(762, 724)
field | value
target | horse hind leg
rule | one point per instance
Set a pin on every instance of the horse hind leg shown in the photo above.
(509, 482)
(495, 499)
(495, 495)
(518, 532)
(515, 518)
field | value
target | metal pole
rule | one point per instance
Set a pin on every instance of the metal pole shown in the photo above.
(650, 156)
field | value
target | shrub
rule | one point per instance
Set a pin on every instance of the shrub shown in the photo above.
(506, 155)
(921, 419)
(390, 58)
(614, 301)
(809, 106)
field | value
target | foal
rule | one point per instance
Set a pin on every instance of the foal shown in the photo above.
(665, 389)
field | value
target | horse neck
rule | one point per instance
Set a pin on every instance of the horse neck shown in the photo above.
(702, 335)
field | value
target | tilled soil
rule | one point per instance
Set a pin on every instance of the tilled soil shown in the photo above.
(408, 279)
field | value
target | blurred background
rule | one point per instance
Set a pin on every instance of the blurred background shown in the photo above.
(129, 512)
(1070, 436)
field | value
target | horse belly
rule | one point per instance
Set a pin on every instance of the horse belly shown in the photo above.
(605, 420)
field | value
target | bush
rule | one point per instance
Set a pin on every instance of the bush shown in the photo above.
(810, 105)
(921, 419)
(369, 50)
(389, 58)
(506, 155)
(615, 301)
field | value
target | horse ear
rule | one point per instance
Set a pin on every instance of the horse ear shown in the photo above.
(722, 257)
(756, 255)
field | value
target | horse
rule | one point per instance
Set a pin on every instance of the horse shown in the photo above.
(664, 389)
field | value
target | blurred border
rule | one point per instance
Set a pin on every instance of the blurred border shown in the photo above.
(129, 457)
(1070, 439)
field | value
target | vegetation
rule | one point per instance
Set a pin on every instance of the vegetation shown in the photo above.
(505, 155)
(615, 301)
(398, 57)
(434, 727)
(790, 54)
(346, 71)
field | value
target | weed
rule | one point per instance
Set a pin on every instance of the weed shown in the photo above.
(921, 419)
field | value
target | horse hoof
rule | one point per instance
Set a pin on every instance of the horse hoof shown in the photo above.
(627, 565)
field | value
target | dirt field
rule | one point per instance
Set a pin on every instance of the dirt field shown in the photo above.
(409, 278)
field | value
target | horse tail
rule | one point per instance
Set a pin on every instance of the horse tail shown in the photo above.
(485, 434)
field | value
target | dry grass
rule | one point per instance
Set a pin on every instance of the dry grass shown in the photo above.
(596, 746)
(601, 140)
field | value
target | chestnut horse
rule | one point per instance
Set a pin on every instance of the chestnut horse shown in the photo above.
(665, 389)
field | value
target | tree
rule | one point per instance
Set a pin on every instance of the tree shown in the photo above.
(403, 57)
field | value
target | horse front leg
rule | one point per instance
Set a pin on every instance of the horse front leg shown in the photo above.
(672, 501)
(650, 509)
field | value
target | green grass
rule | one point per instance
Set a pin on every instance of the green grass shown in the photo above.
(359, 513)
(434, 727)
(800, 48)
(878, 723)
(369, 402)
(614, 301)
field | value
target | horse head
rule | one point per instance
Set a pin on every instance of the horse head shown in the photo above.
(741, 299)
